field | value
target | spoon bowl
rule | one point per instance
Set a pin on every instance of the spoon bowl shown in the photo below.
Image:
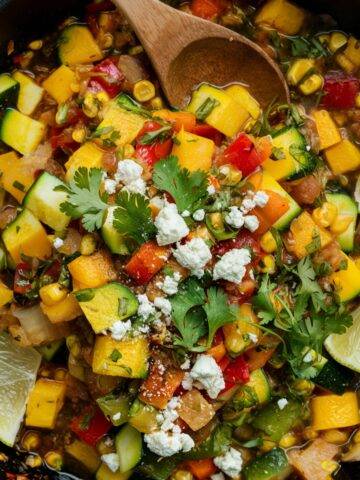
(186, 50)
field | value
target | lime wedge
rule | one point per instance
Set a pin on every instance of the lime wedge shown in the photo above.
(18, 368)
(345, 348)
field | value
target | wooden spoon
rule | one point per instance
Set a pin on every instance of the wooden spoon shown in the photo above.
(186, 50)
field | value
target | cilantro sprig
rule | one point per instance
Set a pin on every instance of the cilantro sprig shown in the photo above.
(188, 189)
(84, 198)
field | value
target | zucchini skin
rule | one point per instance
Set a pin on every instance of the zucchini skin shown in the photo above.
(9, 94)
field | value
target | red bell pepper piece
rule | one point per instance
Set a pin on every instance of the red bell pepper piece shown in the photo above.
(91, 425)
(245, 154)
(243, 240)
(113, 78)
(236, 372)
(207, 131)
(146, 262)
(208, 8)
(158, 149)
(340, 91)
(23, 278)
(224, 362)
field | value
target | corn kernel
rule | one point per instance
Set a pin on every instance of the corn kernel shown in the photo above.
(87, 245)
(309, 433)
(75, 87)
(288, 440)
(157, 103)
(337, 41)
(182, 475)
(229, 175)
(267, 446)
(269, 264)
(303, 386)
(90, 105)
(33, 461)
(356, 437)
(36, 45)
(53, 293)
(337, 437)
(268, 242)
(136, 50)
(31, 441)
(345, 63)
(341, 224)
(54, 460)
(45, 372)
(299, 69)
(60, 374)
(103, 97)
(312, 84)
(217, 221)
(144, 91)
(324, 38)
(325, 215)
(329, 466)
(79, 135)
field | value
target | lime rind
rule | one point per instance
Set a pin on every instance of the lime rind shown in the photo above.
(18, 369)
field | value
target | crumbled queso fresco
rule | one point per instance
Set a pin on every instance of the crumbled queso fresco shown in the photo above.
(208, 373)
(171, 225)
(232, 265)
(230, 463)
(193, 255)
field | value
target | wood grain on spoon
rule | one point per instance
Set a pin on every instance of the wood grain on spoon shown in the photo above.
(186, 50)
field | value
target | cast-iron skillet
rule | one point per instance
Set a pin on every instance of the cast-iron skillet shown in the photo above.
(21, 20)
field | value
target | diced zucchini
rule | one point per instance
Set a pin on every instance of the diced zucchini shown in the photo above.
(49, 350)
(77, 45)
(275, 422)
(334, 377)
(346, 208)
(105, 305)
(113, 239)
(44, 202)
(58, 84)
(143, 417)
(30, 93)
(297, 161)
(112, 405)
(128, 447)
(124, 358)
(85, 456)
(9, 89)
(89, 155)
(104, 473)
(272, 465)
(255, 392)
(21, 132)
(26, 236)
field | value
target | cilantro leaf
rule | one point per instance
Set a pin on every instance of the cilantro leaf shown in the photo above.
(218, 311)
(262, 303)
(309, 285)
(84, 199)
(187, 317)
(189, 190)
(132, 217)
(159, 135)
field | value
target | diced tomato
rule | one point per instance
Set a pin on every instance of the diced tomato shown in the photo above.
(246, 154)
(340, 91)
(146, 262)
(60, 138)
(201, 469)
(91, 425)
(237, 371)
(158, 149)
(113, 78)
(23, 278)
(208, 8)
(244, 240)
(102, 6)
(224, 362)
(207, 131)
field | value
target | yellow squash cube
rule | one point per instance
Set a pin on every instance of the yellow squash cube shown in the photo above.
(124, 358)
(25, 235)
(16, 177)
(299, 69)
(194, 152)
(328, 132)
(227, 116)
(58, 84)
(347, 282)
(93, 270)
(63, 311)
(44, 404)
(88, 155)
(335, 411)
(343, 157)
(282, 15)
(352, 51)
(242, 96)
(6, 295)
(306, 236)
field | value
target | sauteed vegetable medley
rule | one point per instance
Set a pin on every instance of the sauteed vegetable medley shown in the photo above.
(179, 289)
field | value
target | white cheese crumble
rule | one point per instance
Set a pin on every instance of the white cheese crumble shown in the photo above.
(165, 444)
(58, 242)
(235, 217)
(211, 190)
(185, 213)
(193, 255)
(217, 476)
(251, 222)
(171, 226)
(128, 171)
(247, 205)
(282, 402)
(261, 198)
(170, 283)
(185, 365)
(230, 463)
(232, 265)
(253, 337)
(208, 373)
(157, 202)
(163, 305)
(119, 329)
(117, 416)
(146, 308)
(110, 186)
(309, 357)
(137, 186)
(199, 215)
(187, 382)
(112, 461)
